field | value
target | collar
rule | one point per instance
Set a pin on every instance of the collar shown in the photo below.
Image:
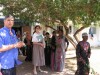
(6, 28)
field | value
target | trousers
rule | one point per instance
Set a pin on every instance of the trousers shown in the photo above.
(11, 71)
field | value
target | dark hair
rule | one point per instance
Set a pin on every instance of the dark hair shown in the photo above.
(60, 30)
(47, 33)
(53, 32)
(35, 28)
(7, 16)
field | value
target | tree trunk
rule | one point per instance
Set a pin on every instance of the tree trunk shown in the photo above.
(68, 37)
(71, 41)
(75, 35)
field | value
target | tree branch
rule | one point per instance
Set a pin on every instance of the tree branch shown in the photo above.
(50, 27)
(75, 34)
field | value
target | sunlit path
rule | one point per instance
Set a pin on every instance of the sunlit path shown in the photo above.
(70, 65)
(26, 68)
(95, 61)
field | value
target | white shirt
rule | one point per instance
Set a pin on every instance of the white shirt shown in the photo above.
(37, 37)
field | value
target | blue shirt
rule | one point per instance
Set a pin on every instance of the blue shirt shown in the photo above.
(8, 59)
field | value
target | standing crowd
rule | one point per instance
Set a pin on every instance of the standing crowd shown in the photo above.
(41, 48)
(49, 51)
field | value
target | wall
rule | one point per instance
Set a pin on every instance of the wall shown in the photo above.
(94, 41)
(24, 30)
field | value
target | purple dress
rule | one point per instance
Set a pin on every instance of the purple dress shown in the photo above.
(61, 45)
(83, 52)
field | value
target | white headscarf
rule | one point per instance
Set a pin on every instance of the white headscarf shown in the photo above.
(84, 34)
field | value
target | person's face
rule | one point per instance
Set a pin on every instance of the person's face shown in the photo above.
(85, 38)
(60, 33)
(38, 29)
(47, 35)
(9, 22)
(54, 34)
(44, 33)
(27, 34)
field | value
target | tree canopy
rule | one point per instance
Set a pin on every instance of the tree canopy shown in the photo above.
(50, 11)
(79, 11)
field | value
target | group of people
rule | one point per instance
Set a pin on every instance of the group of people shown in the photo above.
(55, 49)
(48, 51)
(43, 50)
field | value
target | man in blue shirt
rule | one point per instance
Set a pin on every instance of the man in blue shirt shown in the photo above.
(9, 47)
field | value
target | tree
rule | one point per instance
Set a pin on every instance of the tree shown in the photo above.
(51, 11)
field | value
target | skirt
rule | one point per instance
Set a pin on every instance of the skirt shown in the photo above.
(38, 58)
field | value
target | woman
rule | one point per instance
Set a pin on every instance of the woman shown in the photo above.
(53, 49)
(47, 49)
(28, 42)
(38, 49)
(61, 45)
(83, 52)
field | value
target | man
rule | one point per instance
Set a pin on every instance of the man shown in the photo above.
(9, 47)
(83, 52)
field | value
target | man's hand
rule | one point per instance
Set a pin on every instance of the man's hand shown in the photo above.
(19, 44)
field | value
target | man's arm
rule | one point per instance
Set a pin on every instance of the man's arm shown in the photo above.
(8, 47)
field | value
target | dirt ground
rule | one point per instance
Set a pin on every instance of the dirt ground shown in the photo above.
(26, 68)
(70, 65)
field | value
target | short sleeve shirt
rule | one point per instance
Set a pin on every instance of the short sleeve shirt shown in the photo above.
(8, 58)
(37, 37)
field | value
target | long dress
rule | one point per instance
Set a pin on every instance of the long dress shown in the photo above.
(48, 52)
(38, 58)
(83, 52)
(53, 50)
(28, 43)
(60, 53)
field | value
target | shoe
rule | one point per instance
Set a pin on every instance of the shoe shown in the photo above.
(40, 70)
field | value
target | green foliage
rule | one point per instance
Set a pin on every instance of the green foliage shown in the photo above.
(79, 11)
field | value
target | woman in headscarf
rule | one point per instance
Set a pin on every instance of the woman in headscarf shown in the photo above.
(83, 52)
(28, 42)
(61, 45)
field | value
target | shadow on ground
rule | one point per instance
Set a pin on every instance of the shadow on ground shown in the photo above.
(26, 68)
